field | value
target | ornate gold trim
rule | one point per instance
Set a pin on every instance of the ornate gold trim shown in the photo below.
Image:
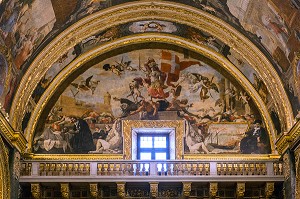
(16, 139)
(4, 171)
(72, 157)
(65, 190)
(154, 189)
(141, 38)
(128, 125)
(240, 189)
(269, 189)
(213, 189)
(187, 187)
(36, 190)
(94, 191)
(144, 10)
(294, 66)
(287, 139)
(121, 189)
(230, 157)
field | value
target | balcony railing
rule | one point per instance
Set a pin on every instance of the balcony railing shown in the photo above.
(116, 170)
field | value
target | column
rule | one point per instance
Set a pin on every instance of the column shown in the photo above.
(153, 189)
(187, 187)
(240, 190)
(65, 190)
(269, 189)
(213, 190)
(36, 190)
(121, 189)
(94, 190)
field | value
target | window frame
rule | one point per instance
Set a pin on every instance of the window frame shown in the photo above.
(153, 150)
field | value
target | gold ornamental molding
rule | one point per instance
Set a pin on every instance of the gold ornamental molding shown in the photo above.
(138, 39)
(129, 125)
(71, 157)
(232, 157)
(296, 73)
(14, 138)
(145, 10)
(286, 140)
(4, 171)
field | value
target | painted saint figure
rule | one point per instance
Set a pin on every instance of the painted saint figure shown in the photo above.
(256, 140)
(82, 140)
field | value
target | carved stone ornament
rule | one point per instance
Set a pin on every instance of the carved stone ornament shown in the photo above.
(187, 187)
(36, 190)
(94, 190)
(240, 189)
(213, 189)
(121, 189)
(154, 189)
(269, 189)
(65, 190)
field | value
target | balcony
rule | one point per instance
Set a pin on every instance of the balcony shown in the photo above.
(151, 171)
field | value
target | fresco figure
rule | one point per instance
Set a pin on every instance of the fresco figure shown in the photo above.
(82, 141)
(280, 31)
(148, 110)
(53, 139)
(100, 140)
(127, 106)
(256, 140)
(9, 95)
(195, 140)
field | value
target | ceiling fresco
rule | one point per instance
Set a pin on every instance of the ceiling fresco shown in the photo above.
(150, 84)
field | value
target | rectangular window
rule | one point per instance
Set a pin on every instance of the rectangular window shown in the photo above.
(153, 146)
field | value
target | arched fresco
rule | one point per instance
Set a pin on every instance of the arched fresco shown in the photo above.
(272, 27)
(152, 84)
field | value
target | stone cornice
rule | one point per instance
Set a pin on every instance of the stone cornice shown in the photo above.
(14, 138)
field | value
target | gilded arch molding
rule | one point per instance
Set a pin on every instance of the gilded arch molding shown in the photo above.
(143, 10)
(142, 38)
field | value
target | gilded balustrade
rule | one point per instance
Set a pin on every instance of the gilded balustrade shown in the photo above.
(246, 168)
(182, 168)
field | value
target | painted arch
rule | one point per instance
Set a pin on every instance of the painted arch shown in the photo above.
(144, 10)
